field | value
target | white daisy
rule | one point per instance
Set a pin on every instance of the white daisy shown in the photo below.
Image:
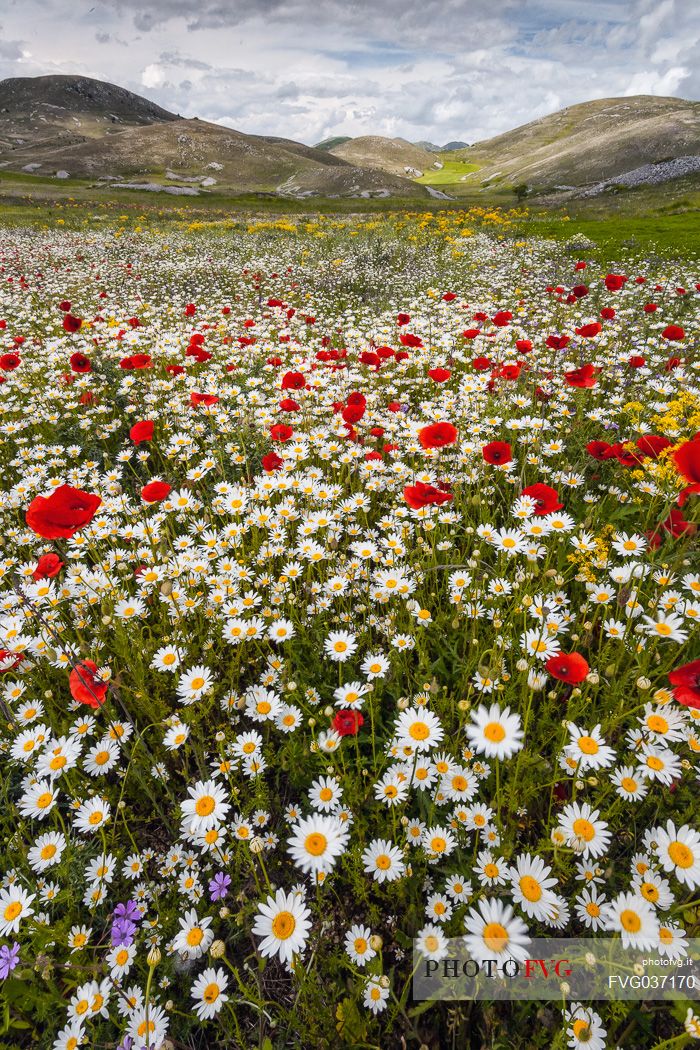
(283, 922)
(495, 733)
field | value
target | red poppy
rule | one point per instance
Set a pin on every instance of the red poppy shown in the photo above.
(471, 333)
(588, 331)
(86, 686)
(502, 319)
(281, 432)
(675, 525)
(607, 313)
(65, 305)
(155, 491)
(580, 291)
(63, 513)
(71, 323)
(8, 362)
(511, 372)
(420, 495)
(353, 413)
(288, 404)
(481, 364)
(367, 357)
(448, 297)
(626, 456)
(570, 668)
(582, 377)
(136, 362)
(439, 375)
(686, 682)
(190, 310)
(598, 449)
(652, 445)
(650, 308)
(48, 566)
(403, 319)
(410, 340)
(523, 346)
(80, 363)
(673, 332)
(437, 435)
(202, 399)
(687, 460)
(272, 461)
(546, 498)
(293, 381)
(497, 452)
(198, 354)
(615, 281)
(558, 342)
(636, 361)
(142, 431)
(347, 723)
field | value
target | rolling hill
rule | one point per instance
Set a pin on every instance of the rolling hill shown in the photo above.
(332, 142)
(40, 113)
(395, 156)
(77, 127)
(588, 143)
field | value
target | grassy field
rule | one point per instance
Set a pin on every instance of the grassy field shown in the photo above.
(661, 219)
(348, 605)
(451, 172)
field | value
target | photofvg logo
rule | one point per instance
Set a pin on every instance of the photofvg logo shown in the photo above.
(553, 968)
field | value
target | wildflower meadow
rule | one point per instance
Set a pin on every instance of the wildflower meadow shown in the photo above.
(349, 597)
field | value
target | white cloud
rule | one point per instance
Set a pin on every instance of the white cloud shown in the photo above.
(436, 69)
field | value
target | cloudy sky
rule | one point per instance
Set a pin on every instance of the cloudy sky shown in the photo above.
(306, 69)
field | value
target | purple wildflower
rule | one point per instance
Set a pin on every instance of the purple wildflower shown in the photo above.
(123, 932)
(129, 911)
(218, 887)
(9, 957)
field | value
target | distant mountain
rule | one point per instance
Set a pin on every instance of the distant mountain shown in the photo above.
(447, 148)
(590, 142)
(76, 126)
(395, 156)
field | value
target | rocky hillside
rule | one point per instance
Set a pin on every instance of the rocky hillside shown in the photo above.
(40, 113)
(589, 143)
